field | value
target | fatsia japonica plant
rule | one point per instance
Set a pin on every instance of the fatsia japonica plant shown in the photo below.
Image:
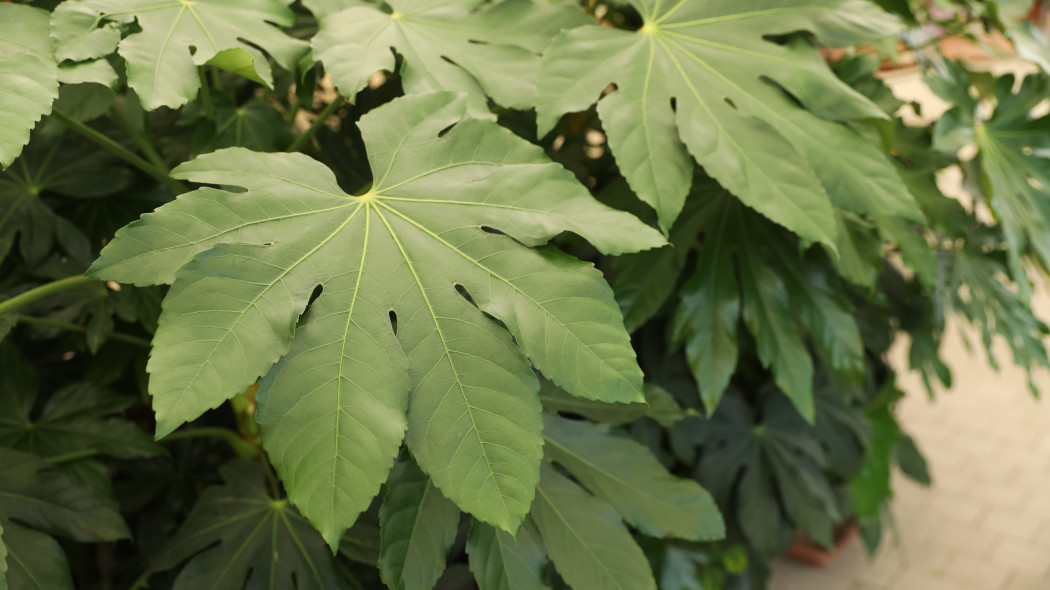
(508, 294)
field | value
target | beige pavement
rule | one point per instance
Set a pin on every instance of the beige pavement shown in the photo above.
(985, 523)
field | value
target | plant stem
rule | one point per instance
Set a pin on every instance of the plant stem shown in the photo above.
(242, 447)
(206, 93)
(72, 456)
(142, 581)
(49, 323)
(45, 290)
(140, 140)
(318, 122)
(119, 151)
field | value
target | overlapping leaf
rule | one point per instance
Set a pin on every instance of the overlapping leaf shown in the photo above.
(417, 528)
(458, 45)
(769, 471)
(693, 82)
(502, 562)
(162, 68)
(28, 76)
(406, 272)
(585, 538)
(237, 536)
(748, 269)
(626, 475)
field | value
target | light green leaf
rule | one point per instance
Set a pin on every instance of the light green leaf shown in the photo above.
(439, 42)
(694, 80)
(89, 72)
(161, 67)
(417, 526)
(237, 536)
(28, 76)
(585, 538)
(625, 474)
(406, 271)
(35, 561)
(501, 562)
(75, 33)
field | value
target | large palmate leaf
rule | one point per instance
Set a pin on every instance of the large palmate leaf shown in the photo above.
(1013, 150)
(407, 272)
(28, 76)
(694, 83)
(502, 562)
(769, 472)
(626, 475)
(177, 37)
(417, 528)
(751, 270)
(452, 45)
(237, 536)
(76, 417)
(585, 538)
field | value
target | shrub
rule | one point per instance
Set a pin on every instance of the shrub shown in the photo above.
(512, 294)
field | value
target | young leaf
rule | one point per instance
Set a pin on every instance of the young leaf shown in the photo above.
(439, 43)
(237, 536)
(417, 526)
(33, 561)
(161, 67)
(404, 270)
(625, 474)
(501, 562)
(694, 80)
(585, 538)
(28, 76)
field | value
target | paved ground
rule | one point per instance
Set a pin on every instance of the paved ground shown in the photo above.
(985, 523)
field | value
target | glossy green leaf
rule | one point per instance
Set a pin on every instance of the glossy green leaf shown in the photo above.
(237, 536)
(404, 270)
(162, 69)
(28, 76)
(439, 43)
(585, 538)
(417, 526)
(502, 562)
(35, 561)
(713, 62)
(76, 35)
(626, 475)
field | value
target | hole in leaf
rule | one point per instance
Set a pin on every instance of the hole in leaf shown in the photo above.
(465, 294)
(315, 294)
(491, 230)
(730, 102)
(393, 321)
(674, 104)
(445, 131)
